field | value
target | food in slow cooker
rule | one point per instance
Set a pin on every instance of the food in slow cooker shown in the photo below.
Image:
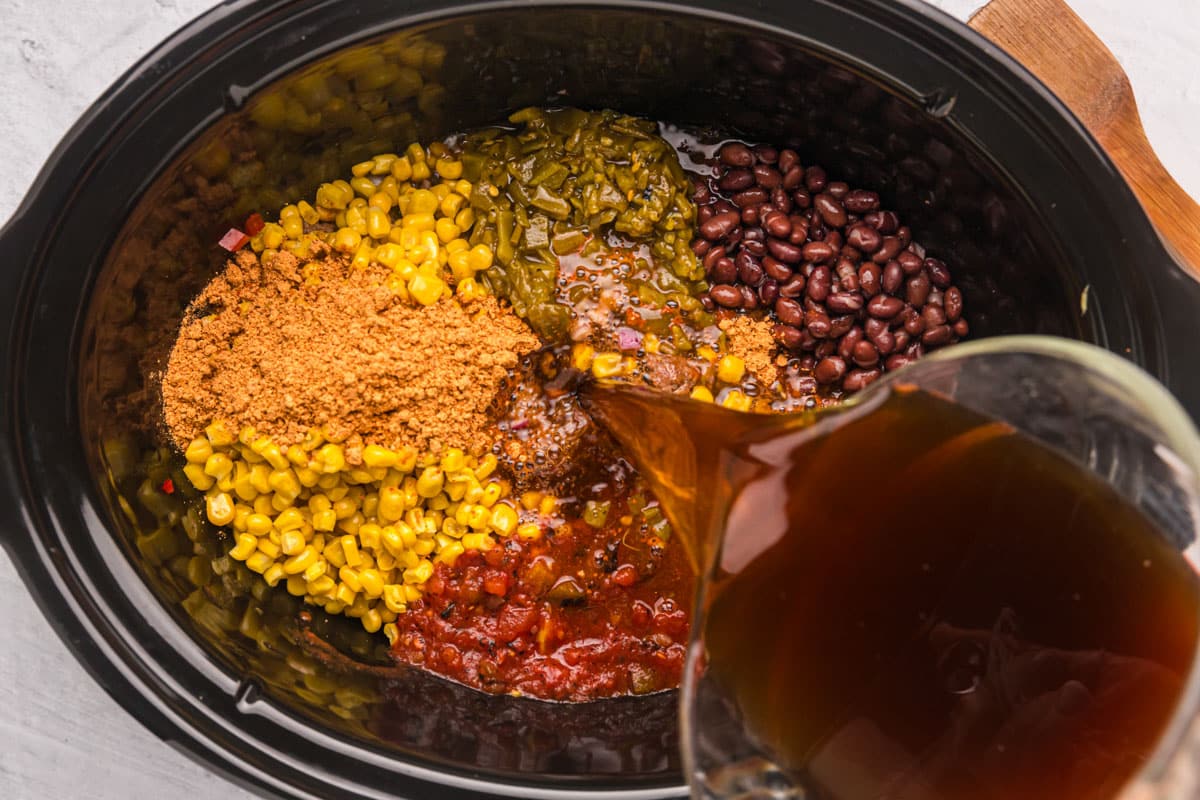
(376, 397)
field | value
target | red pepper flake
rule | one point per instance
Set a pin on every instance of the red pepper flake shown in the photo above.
(254, 224)
(168, 486)
(233, 240)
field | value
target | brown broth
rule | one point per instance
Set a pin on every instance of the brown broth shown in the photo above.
(913, 602)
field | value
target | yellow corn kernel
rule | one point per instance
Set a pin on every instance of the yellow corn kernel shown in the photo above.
(246, 545)
(376, 456)
(449, 170)
(530, 532)
(332, 458)
(651, 343)
(273, 575)
(350, 549)
(707, 353)
(480, 257)
(702, 393)
(198, 451)
(265, 545)
(273, 235)
(446, 230)
(362, 168)
(291, 542)
(730, 369)
(391, 504)
(324, 520)
(371, 621)
(450, 553)
(582, 355)
(258, 524)
(308, 213)
(259, 562)
(426, 289)
(363, 186)
(260, 478)
(349, 577)
(218, 434)
(378, 224)
(737, 401)
(402, 169)
(198, 477)
(547, 506)
(504, 519)
(323, 586)
(289, 519)
(263, 505)
(316, 569)
(390, 630)
(284, 482)
(607, 365)
(345, 594)
(219, 507)
(369, 536)
(300, 561)
(453, 460)
(423, 547)
(393, 598)
(430, 484)
(346, 240)
(420, 573)
(372, 582)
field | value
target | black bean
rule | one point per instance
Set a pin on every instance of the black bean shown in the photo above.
(861, 201)
(723, 206)
(807, 363)
(845, 302)
(893, 277)
(846, 343)
(700, 246)
(736, 180)
(755, 247)
(819, 284)
(818, 252)
(735, 154)
(815, 179)
(909, 263)
(869, 276)
(776, 269)
(712, 256)
(887, 251)
(726, 295)
(859, 379)
(904, 234)
(781, 200)
(902, 339)
(825, 348)
(865, 354)
(719, 226)
(749, 297)
(961, 329)
(953, 304)
(786, 252)
(787, 336)
(749, 270)
(768, 291)
(817, 324)
(751, 197)
(918, 290)
(766, 154)
(829, 370)
(705, 213)
(937, 336)
(833, 239)
(886, 222)
(793, 286)
(913, 324)
(933, 316)
(883, 306)
(724, 271)
(897, 361)
(884, 341)
(864, 238)
(789, 312)
(839, 189)
(751, 215)
(788, 159)
(915, 350)
(793, 178)
(840, 326)
(801, 385)
(701, 194)
(939, 273)
(777, 224)
(767, 177)
(802, 199)
(830, 209)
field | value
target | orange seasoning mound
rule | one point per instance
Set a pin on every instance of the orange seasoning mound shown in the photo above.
(751, 340)
(286, 345)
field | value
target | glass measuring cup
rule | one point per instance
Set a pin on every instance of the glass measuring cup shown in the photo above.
(1095, 409)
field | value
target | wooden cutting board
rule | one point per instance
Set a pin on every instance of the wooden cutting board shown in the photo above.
(1063, 52)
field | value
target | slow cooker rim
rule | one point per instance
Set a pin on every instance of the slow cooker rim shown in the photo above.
(54, 593)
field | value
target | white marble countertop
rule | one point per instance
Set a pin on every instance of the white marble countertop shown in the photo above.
(61, 736)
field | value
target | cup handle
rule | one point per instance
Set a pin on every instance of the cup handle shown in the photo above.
(1063, 53)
